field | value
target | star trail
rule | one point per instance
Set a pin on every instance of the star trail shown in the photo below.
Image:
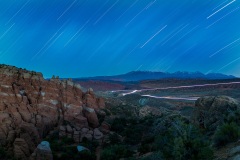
(79, 38)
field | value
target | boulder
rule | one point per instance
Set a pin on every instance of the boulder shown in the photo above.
(82, 148)
(211, 110)
(91, 116)
(43, 151)
(20, 149)
(76, 136)
(11, 136)
(80, 121)
(84, 130)
(97, 134)
(69, 129)
(88, 136)
(62, 131)
(90, 132)
(105, 127)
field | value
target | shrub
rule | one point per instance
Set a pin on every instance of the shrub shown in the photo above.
(115, 152)
(146, 144)
(182, 142)
(133, 135)
(85, 155)
(154, 156)
(114, 138)
(228, 132)
(233, 116)
(144, 148)
(118, 124)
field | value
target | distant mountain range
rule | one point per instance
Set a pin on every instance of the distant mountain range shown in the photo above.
(148, 75)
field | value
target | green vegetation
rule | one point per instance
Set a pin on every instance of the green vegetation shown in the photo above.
(114, 139)
(233, 116)
(228, 132)
(154, 156)
(115, 152)
(169, 136)
(65, 148)
(183, 141)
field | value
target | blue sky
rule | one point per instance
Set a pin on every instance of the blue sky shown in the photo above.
(78, 38)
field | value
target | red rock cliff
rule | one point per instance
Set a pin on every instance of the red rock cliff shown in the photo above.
(31, 106)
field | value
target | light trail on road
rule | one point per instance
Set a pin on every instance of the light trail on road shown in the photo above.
(173, 98)
(128, 92)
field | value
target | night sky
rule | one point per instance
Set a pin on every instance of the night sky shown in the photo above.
(78, 38)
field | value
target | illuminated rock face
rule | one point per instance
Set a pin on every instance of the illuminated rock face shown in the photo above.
(30, 107)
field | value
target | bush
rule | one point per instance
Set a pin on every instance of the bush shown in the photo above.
(85, 155)
(182, 142)
(228, 132)
(233, 116)
(154, 156)
(145, 148)
(114, 138)
(119, 124)
(115, 152)
(133, 135)
(146, 144)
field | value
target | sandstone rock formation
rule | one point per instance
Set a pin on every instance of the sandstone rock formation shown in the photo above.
(211, 111)
(21, 149)
(30, 107)
(91, 116)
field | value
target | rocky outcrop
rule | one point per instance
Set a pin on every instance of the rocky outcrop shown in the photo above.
(91, 116)
(21, 149)
(211, 111)
(30, 107)
(150, 111)
(43, 151)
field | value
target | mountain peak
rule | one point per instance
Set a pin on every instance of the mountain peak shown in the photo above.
(150, 75)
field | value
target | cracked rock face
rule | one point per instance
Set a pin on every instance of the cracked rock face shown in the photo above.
(30, 107)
